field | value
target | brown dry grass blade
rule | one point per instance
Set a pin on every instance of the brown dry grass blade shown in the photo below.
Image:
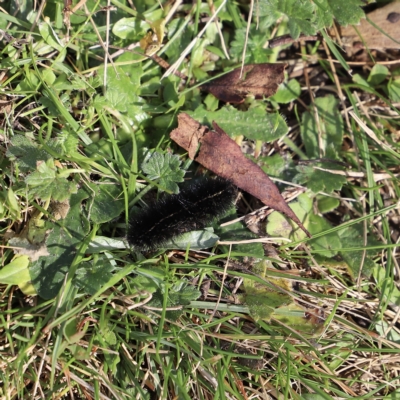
(222, 155)
(259, 80)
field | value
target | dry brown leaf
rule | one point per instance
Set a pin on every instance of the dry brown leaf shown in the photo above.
(259, 80)
(222, 155)
(387, 18)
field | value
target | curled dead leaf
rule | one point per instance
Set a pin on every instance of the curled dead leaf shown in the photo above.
(222, 155)
(259, 80)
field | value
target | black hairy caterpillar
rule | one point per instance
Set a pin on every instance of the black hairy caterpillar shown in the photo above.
(196, 206)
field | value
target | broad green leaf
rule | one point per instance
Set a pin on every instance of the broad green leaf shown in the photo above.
(182, 32)
(59, 189)
(391, 292)
(104, 339)
(330, 243)
(13, 204)
(132, 28)
(183, 293)
(263, 298)
(70, 82)
(255, 51)
(238, 232)
(28, 289)
(295, 316)
(306, 16)
(165, 168)
(277, 165)
(211, 102)
(49, 36)
(198, 58)
(108, 202)
(180, 294)
(26, 153)
(280, 226)
(378, 74)
(69, 143)
(394, 90)
(110, 338)
(150, 279)
(323, 138)
(353, 236)
(324, 16)
(45, 174)
(100, 150)
(90, 277)
(346, 12)
(384, 329)
(267, 9)
(349, 259)
(355, 259)
(122, 84)
(204, 239)
(52, 108)
(2, 206)
(300, 17)
(255, 123)
(16, 272)
(287, 92)
(317, 180)
(300, 14)
(137, 113)
(104, 243)
(148, 87)
(262, 304)
(49, 76)
(29, 83)
(327, 204)
(357, 78)
(48, 272)
(46, 183)
(170, 93)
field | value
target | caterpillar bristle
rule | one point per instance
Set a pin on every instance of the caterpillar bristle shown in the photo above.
(196, 206)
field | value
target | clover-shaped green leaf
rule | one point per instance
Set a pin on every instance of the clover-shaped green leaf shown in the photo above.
(165, 168)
